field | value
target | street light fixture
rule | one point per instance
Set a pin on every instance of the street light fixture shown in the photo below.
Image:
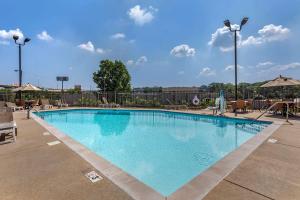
(227, 24)
(20, 44)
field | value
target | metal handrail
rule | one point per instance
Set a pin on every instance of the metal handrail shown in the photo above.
(287, 111)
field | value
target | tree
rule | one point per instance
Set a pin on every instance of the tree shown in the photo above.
(112, 76)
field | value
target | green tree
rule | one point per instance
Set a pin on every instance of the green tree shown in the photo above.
(112, 76)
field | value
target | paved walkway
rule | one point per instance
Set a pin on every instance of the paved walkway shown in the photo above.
(272, 171)
(32, 170)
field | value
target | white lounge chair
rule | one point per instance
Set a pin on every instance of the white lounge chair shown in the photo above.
(60, 104)
(108, 105)
(7, 127)
(45, 105)
(13, 106)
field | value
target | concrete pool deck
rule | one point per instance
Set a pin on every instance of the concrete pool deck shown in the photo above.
(30, 169)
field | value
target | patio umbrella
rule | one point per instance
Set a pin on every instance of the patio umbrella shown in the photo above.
(281, 81)
(27, 87)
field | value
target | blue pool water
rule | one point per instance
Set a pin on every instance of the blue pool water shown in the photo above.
(162, 149)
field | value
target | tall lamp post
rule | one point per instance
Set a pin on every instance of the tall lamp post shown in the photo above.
(227, 24)
(20, 44)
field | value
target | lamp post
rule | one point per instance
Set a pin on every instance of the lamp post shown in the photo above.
(20, 44)
(227, 24)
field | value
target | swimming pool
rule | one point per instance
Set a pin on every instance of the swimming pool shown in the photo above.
(162, 149)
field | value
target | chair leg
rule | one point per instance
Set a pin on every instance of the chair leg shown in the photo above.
(14, 134)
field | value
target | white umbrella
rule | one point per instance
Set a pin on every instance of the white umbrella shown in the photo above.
(27, 87)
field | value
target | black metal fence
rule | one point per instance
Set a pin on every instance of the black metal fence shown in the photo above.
(134, 99)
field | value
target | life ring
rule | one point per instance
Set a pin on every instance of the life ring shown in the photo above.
(196, 100)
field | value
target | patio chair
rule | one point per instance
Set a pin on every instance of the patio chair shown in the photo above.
(7, 127)
(241, 105)
(45, 105)
(13, 106)
(249, 105)
(278, 108)
(216, 107)
(297, 105)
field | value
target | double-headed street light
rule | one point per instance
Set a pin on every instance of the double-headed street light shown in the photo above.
(227, 24)
(20, 44)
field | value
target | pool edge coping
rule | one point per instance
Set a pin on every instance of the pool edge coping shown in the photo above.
(206, 180)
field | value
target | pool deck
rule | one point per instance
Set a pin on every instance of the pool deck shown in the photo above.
(30, 169)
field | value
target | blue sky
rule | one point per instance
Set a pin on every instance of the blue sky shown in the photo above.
(163, 43)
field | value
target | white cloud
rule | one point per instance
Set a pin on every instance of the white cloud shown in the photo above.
(183, 50)
(91, 48)
(268, 33)
(118, 36)
(269, 67)
(207, 71)
(231, 67)
(141, 60)
(141, 16)
(44, 36)
(264, 64)
(8, 35)
(130, 62)
(271, 32)
(288, 66)
(223, 38)
(99, 50)
(87, 46)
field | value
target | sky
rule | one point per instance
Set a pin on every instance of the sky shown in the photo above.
(162, 42)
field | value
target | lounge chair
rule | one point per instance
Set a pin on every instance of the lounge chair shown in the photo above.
(7, 127)
(216, 107)
(2, 104)
(60, 104)
(108, 105)
(172, 106)
(45, 105)
(35, 104)
(13, 106)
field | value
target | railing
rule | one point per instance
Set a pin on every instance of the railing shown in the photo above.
(132, 99)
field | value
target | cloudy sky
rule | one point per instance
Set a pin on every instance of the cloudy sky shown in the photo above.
(162, 42)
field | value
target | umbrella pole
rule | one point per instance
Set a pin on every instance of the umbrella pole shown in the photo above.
(287, 112)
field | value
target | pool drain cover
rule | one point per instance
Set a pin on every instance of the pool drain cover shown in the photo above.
(93, 176)
(53, 143)
(46, 133)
